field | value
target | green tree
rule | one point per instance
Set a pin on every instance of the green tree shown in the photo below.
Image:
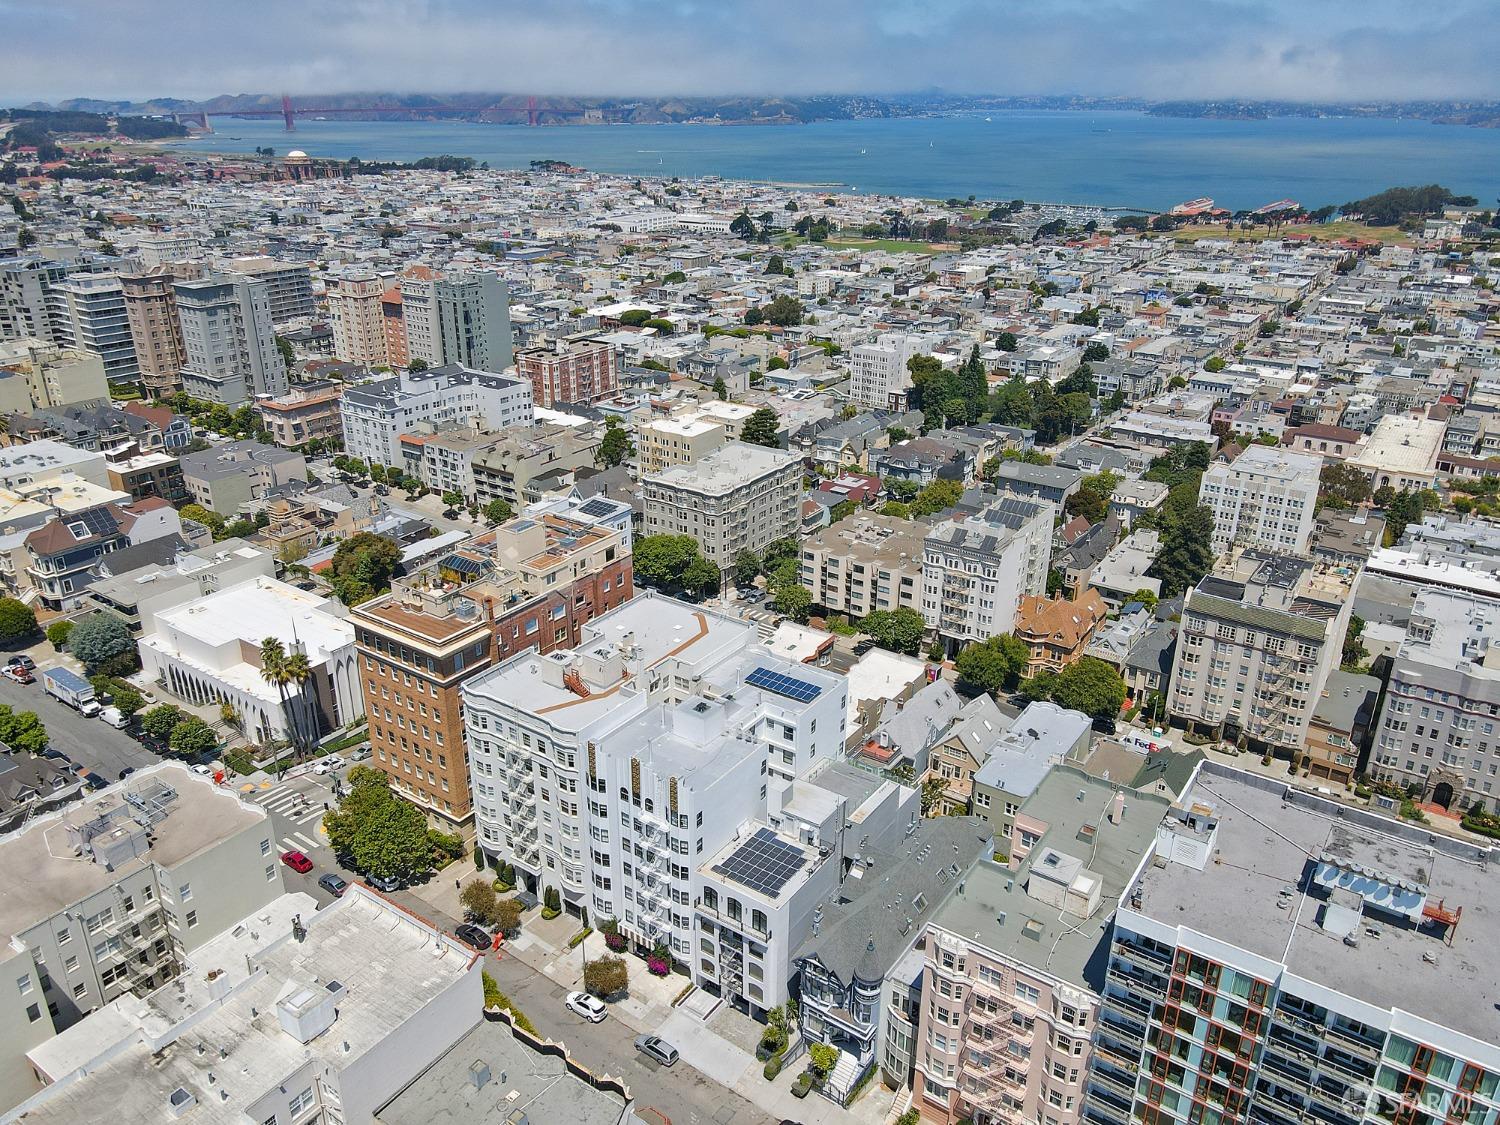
(744, 226)
(761, 428)
(58, 633)
(992, 665)
(1091, 501)
(606, 975)
(383, 836)
(497, 511)
(1353, 654)
(775, 265)
(16, 620)
(661, 560)
(479, 900)
(615, 446)
(721, 389)
(126, 699)
(161, 720)
(1187, 553)
(898, 630)
(98, 637)
(701, 578)
(453, 499)
(1342, 486)
(362, 567)
(1215, 364)
(22, 730)
(936, 497)
(192, 737)
(783, 311)
(417, 363)
(746, 568)
(793, 601)
(1007, 342)
(1091, 686)
(199, 514)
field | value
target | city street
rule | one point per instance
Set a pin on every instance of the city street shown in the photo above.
(91, 743)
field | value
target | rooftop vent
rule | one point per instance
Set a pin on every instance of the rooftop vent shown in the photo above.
(179, 1101)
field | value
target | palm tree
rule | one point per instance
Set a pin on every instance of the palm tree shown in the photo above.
(299, 671)
(273, 669)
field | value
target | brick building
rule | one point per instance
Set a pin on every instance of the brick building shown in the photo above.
(578, 371)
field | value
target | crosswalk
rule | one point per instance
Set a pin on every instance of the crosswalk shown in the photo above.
(297, 842)
(293, 806)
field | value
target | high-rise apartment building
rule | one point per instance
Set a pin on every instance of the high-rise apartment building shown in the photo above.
(611, 771)
(878, 375)
(533, 584)
(155, 249)
(1281, 959)
(112, 896)
(1263, 498)
(1258, 639)
(96, 322)
(354, 306)
(393, 325)
(580, 371)
(155, 327)
(740, 498)
(288, 285)
(976, 569)
(228, 340)
(29, 308)
(865, 563)
(457, 318)
(376, 415)
(1437, 728)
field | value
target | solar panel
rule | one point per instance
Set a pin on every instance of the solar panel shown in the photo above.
(788, 686)
(597, 507)
(763, 863)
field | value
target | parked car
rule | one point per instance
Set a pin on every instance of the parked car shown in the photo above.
(335, 885)
(92, 779)
(17, 674)
(203, 771)
(475, 937)
(386, 883)
(126, 772)
(589, 1007)
(363, 754)
(115, 717)
(297, 862)
(151, 742)
(655, 1047)
(21, 661)
(331, 764)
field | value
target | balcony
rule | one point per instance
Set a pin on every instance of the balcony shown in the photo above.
(1117, 1057)
(1139, 955)
(1113, 1085)
(1350, 1041)
(1134, 984)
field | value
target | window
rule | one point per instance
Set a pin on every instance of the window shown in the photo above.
(24, 984)
(192, 918)
(270, 873)
(185, 892)
(33, 1012)
(1026, 993)
(301, 1103)
(265, 847)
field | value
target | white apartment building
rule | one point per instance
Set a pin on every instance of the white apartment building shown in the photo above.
(975, 571)
(289, 1019)
(878, 376)
(358, 324)
(1263, 498)
(288, 285)
(684, 440)
(739, 498)
(1258, 639)
(613, 770)
(227, 339)
(97, 322)
(113, 895)
(375, 415)
(461, 318)
(35, 375)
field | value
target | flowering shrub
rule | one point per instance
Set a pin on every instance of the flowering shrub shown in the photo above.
(615, 941)
(657, 967)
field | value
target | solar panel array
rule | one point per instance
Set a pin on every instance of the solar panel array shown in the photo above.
(788, 686)
(763, 863)
(597, 507)
(96, 521)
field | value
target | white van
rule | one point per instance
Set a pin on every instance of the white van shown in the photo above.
(115, 717)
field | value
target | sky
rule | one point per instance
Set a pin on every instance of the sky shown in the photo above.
(1327, 50)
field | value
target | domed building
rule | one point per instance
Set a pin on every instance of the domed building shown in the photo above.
(298, 165)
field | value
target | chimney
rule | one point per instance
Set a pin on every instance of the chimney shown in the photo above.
(1117, 807)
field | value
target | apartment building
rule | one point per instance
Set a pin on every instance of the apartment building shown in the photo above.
(354, 307)
(35, 376)
(306, 412)
(135, 594)
(865, 562)
(288, 285)
(1437, 727)
(112, 897)
(760, 894)
(1258, 639)
(976, 569)
(1020, 758)
(1009, 1003)
(532, 585)
(143, 475)
(57, 559)
(1351, 986)
(1263, 498)
(460, 318)
(740, 498)
(95, 321)
(1342, 723)
(228, 340)
(295, 1016)
(225, 478)
(29, 306)
(167, 247)
(520, 463)
(155, 329)
(689, 434)
(574, 371)
(376, 414)
(1056, 631)
(612, 771)
(393, 325)
(878, 375)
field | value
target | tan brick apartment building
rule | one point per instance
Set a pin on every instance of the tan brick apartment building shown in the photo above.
(155, 330)
(307, 411)
(532, 583)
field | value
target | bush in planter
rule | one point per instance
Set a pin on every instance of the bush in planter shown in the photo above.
(605, 976)
(910, 1117)
(615, 941)
(823, 1058)
(772, 1067)
(657, 967)
(802, 1085)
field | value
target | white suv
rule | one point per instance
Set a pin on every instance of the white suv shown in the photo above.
(589, 1007)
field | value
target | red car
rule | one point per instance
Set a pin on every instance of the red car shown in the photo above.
(297, 862)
